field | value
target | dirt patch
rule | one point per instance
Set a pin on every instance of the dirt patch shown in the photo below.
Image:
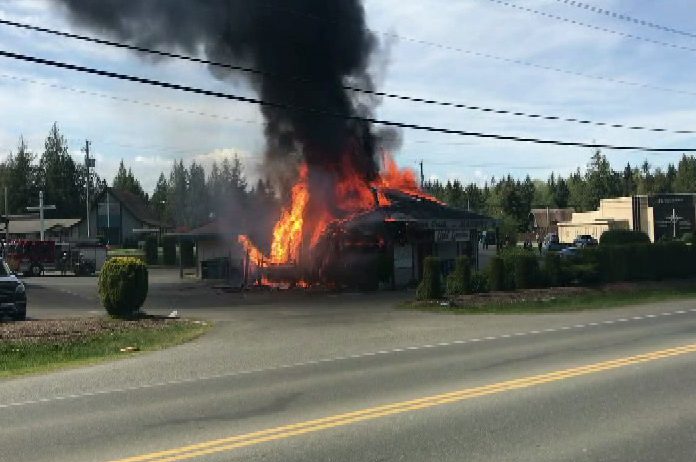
(36, 331)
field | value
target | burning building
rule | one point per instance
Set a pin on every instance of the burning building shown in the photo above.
(312, 64)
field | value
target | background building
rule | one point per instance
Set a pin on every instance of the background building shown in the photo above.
(659, 216)
(116, 216)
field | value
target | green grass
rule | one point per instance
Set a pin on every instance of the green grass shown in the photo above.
(19, 358)
(594, 300)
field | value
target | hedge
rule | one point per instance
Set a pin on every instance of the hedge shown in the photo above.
(496, 274)
(459, 281)
(623, 236)
(479, 283)
(151, 250)
(520, 269)
(123, 284)
(642, 262)
(430, 287)
(169, 250)
(553, 270)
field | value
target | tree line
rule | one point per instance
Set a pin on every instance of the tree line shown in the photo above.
(511, 200)
(52, 171)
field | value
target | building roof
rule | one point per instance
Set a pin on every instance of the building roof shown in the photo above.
(410, 208)
(33, 225)
(136, 206)
(545, 218)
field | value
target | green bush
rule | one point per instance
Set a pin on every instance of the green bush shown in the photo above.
(553, 270)
(496, 274)
(430, 287)
(459, 281)
(583, 274)
(169, 250)
(525, 268)
(479, 283)
(623, 236)
(151, 250)
(123, 284)
(186, 252)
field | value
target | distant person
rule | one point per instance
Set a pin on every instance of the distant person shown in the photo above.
(540, 244)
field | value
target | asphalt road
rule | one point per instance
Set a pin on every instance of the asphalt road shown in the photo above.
(385, 384)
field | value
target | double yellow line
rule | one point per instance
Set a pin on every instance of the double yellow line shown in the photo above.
(339, 420)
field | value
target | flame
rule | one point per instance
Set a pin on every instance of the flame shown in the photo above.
(352, 194)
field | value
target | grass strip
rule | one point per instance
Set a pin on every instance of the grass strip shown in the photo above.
(594, 300)
(19, 357)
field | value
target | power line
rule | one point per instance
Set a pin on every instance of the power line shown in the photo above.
(129, 100)
(625, 17)
(352, 88)
(594, 27)
(320, 112)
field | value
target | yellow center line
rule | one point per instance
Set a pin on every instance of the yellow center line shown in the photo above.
(310, 426)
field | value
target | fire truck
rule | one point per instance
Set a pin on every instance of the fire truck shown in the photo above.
(32, 258)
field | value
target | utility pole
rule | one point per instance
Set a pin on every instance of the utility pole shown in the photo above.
(41, 209)
(7, 220)
(89, 162)
(421, 172)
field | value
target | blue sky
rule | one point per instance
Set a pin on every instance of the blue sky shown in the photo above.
(204, 129)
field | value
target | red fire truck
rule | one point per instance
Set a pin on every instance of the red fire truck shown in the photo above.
(32, 258)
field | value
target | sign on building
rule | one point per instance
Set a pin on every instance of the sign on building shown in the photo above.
(674, 215)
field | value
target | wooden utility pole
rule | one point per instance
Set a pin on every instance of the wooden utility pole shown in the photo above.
(89, 162)
(421, 173)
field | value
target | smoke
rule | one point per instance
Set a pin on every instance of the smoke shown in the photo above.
(325, 43)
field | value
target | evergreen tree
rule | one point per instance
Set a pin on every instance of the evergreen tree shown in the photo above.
(159, 197)
(126, 181)
(59, 177)
(21, 177)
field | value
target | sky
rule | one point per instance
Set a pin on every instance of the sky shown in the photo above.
(478, 52)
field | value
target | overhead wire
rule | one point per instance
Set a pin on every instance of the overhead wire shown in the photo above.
(594, 27)
(382, 94)
(321, 112)
(625, 17)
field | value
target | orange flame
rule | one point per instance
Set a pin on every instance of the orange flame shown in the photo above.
(352, 193)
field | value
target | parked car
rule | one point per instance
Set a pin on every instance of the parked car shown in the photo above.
(585, 240)
(570, 253)
(13, 296)
(551, 247)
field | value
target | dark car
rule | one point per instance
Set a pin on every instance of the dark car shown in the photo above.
(13, 297)
(585, 240)
(570, 253)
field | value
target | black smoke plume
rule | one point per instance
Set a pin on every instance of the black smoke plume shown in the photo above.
(324, 43)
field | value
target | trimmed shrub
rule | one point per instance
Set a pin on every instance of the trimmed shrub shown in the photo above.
(459, 281)
(123, 284)
(169, 250)
(623, 236)
(583, 274)
(479, 283)
(430, 287)
(186, 252)
(496, 274)
(553, 270)
(525, 268)
(151, 250)
(688, 238)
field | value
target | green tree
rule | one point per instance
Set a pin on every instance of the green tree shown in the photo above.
(159, 196)
(59, 177)
(21, 177)
(197, 197)
(126, 181)
(685, 178)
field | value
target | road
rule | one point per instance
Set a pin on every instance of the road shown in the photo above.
(350, 378)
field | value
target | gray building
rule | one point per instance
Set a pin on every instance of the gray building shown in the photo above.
(117, 216)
